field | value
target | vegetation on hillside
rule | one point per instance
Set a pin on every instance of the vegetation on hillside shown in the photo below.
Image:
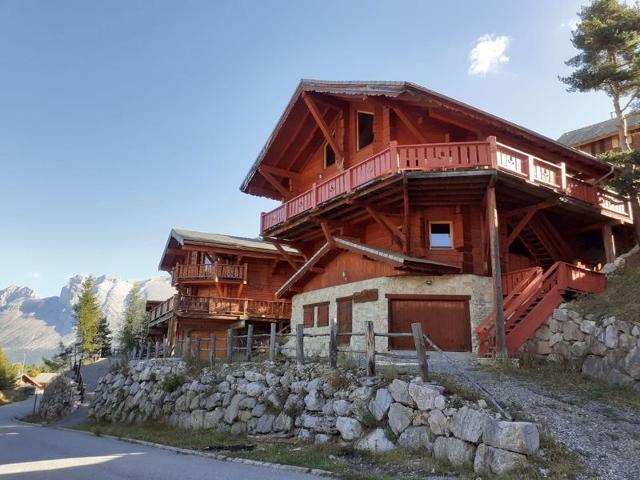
(136, 321)
(87, 316)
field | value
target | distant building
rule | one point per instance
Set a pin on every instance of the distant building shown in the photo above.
(602, 136)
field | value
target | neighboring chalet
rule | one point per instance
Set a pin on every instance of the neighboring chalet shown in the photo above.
(603, 136)
(412, 206)
(222, 282)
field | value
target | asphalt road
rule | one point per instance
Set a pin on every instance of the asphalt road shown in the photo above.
(33, 452)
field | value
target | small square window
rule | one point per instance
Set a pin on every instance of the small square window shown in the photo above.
(365, 129)
(329, 156)
(440, 235)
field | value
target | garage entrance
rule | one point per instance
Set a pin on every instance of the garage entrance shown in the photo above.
(444, 318)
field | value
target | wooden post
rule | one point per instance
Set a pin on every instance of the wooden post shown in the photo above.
(186, 351)
(249, 341)
(198, 347)
(300, 344)
(421, 350)
(212, 350)
(272, 342)
(609, 244)
(333, 343)
(371, 349)
(179, 347)
(496, 271)
(156, 353)
(229, 345)
(148, 350)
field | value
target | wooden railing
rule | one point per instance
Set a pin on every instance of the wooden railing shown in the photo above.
(215, 271)
(511, 280)
(532, 300)
(162, 309)
(243, 307)
(447, 156)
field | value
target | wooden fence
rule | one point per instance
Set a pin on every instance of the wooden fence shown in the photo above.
(252, 344)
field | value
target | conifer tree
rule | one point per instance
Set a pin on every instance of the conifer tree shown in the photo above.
(87, 316)
(104, 337)
(60, 360)
(608, 40)
(134, 326)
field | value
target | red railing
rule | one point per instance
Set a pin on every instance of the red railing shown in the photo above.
(240, 307)
(447, 156)
(214, 272)
(511, 280)
(532, 300)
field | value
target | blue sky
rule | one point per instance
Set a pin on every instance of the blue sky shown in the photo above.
(122, 119)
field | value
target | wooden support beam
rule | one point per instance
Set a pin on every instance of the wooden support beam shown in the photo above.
(284, 253)
(315, 112)
(406, 220)
(516, 212)
(524, 221)
(409, 124)
(327, 234)
(280, 172)
(273, 181)
(496, 271)
(443, 117)
(609, 243)
(388, 226)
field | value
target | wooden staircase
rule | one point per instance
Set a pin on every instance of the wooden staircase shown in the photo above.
(544, 242)
(531, 298)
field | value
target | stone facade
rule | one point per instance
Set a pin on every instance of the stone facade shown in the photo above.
(479, 288)
(313, 403)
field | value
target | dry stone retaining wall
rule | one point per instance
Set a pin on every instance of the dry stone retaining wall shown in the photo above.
(59, 399)
(316, 404)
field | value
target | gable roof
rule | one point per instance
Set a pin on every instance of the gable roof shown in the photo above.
(396, 89)
(597, 130)
(180, 236)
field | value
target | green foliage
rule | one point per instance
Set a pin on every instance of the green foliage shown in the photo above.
(60, 360)
(389, 372)
(104, 337)
(133, 331)
(337, 379)
(8, 371)
(347, 361)
(173, 381)
(87, 317)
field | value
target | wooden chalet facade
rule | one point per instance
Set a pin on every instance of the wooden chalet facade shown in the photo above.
(602, 137)
(222, 282)
(411, 206)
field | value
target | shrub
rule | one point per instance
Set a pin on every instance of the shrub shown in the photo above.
(347, 361)
(389, 372)
(8, 372)
(173, 381)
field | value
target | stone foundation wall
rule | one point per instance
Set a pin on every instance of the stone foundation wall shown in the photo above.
(59, 399)
(313, 403)
(477, 287)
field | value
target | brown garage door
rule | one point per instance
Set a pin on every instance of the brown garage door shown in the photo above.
(445, 319)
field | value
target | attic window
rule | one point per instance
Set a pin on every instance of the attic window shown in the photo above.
(329, 156)
(365, 129)
(440, 235)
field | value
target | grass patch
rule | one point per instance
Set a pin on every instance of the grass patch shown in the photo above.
(568, 379)
(10, 396)
(453, 385)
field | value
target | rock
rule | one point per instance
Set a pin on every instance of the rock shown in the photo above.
(349, 428)
(232, 410)
(213, 401)
(314, 401)
(304, 435)
(596, 347)
(247, 403)
(579, 349)
(635, 331)
(632, 363)
(424, 395)
(588, 327)
(265, 423)
(626, 341)
(252, 376)
(238, 428)
(375, 442)
(399, 390)
(468, 424)
(456, 451)
(560, 315)
(244, 415)
(571, 332)
(298, 387)
(196, 420)
(543, 333)
(342, 408)
(416, 438)
(212, 419)
(272, 379)
(400, 417)
(595, 367)
(254, 389)
(327, 410)
(521, 437)
(224, 387)
(555, 338)
(283, 423)
(496, 461)
(622, 326)
(361, 393)
(611, 336)
(438, 422)
(380, 404)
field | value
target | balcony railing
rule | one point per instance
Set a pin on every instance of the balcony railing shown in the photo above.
(214, 272)
(220, 306)
(447, 156)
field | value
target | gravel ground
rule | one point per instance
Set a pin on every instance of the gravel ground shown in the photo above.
(605, 437)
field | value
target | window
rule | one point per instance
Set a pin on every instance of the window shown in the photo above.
(329, 156)
(323, 314)
(440, 235)
(308, 312)
(365, 129)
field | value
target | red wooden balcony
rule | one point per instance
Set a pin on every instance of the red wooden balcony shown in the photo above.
(241, 308)
(447, 156)
(212, 272)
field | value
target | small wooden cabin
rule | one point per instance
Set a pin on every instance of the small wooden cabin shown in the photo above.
(412, 206)
(222, 282)
(602, 137)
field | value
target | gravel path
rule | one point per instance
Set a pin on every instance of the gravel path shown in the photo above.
(606, 437)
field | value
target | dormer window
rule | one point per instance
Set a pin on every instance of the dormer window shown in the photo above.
(329, 155)
(365, 129)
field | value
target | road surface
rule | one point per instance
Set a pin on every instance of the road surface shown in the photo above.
(34, 452)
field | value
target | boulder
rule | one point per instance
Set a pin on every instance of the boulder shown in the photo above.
(349, 428)
(265, 423)
(283, 423)
(438, 422)
(424, 395)
(416, 438)
(521, 437)
(456, 451)
(588, 327)
(595, 367)
(399, 390)
(375, 442)
(254, 389)
(596, 347)
(560, 315)
(212, 419)
(342, 408)
(314, 401)
(232, 410)
(468, 424)
(400, 417)
(571, 332)
(555, 338)
(579, 349)
(632, 363)
(495, 460)
(380, 404)
(611, 336)
(252, 376)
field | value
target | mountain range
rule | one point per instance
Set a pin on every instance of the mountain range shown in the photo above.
(32, 327)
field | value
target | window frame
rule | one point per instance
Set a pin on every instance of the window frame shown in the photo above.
(373, 115)
(312, 308)
(324, 155)
(441, 222)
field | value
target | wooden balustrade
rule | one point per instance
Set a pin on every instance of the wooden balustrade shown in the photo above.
(215, 271)
(447, 156)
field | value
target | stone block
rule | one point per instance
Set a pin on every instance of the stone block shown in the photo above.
(375, 442)
(349, 428)
(611, 336)
(416, 438)
(456, 451)
(380, 404)
(632, 363)
(496, 461)
(399, 390)
(468, 424)
(400, 417)
(424, 395)
(520, 437)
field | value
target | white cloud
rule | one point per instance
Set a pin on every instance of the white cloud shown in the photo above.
(488, 53)
(34, 274)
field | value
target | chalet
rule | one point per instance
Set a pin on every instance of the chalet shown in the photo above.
(603, 136)
(222, 282)
(412, 206)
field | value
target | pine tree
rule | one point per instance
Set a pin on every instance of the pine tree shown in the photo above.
(135, 325)
(7, 372)
(60, 360)
(608, 38)
(104, 337)
(87, 316)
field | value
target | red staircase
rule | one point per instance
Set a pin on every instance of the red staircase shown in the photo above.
(531, 296)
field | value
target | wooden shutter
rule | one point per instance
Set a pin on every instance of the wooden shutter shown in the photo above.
(308, 315)
(323, 314)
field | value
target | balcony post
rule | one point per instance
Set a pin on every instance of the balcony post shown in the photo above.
(496, 271)
(262, 215)
(563, 176)
(493, 151)
(393, 154)
(314, 198)
(532, 169)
